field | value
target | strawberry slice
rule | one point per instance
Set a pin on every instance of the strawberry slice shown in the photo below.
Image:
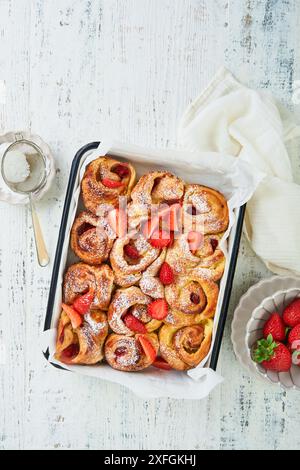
(131, 252)
(166, 274)
(134, 324)
(112, 184)
(160, 363)
(82, 304)
(121, 170)
(148, 348)
(117, 219)
(76, 319)
(195, 240)
(158, 309)
(160, 239)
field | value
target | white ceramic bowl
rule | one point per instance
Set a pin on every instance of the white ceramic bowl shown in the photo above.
(254, 331)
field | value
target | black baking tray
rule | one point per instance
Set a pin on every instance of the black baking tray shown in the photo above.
(61, 237)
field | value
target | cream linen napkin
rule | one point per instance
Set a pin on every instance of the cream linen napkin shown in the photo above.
(230, 118)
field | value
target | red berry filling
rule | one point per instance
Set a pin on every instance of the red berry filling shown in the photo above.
(131, 252)
(121, 170)
(120, 351)
(195, 298)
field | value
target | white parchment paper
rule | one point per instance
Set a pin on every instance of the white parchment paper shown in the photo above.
(233, 178)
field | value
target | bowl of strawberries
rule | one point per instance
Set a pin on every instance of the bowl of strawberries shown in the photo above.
(273, 338)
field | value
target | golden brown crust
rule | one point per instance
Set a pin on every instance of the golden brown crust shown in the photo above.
(150, 283)
(91, 238)
(83, 345)
(94, 192)
(127, 271)
(133, 301)
(208, 261)
(191, 299)
(204, 209)
(156, 187)
(126, 353)
(98, 235)
(81, 277)
(186, 346)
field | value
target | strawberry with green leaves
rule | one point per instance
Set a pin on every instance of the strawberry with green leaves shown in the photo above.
(272, 355)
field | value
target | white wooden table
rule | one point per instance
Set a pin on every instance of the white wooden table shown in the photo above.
(74, 69)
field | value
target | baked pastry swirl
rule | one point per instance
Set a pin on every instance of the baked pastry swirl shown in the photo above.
(130, 301)
(104, 181)
(81, 278)
(91, 238)
(207, 260)
(126, 352)
(157, 187)
(83, 345)
(128, 270)
(191, 299)
(185, 347)
(150, 283)
(204, 209)
(147, 283)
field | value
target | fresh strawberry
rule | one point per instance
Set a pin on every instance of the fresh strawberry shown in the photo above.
(121, 170)
(69, 353)
(76, 319)
(272, 355)
(112, 184)
(134, 324)
(82, 304)
(160, 239)
(147, 348)
(117, 219)
(166, 274)
(160, 363)
(291, 314)
(195, 240)
(131, 252)
(158, 309)
(275, 327)
(294, 338)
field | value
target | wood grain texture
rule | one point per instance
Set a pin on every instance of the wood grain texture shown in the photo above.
(76, 71)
